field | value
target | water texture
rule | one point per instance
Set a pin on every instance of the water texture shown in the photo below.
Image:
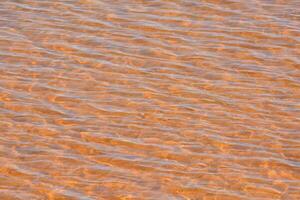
(150, 99)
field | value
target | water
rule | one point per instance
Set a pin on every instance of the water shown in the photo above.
(139, 99)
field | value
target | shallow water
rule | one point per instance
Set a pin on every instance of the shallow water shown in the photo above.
(140, 99)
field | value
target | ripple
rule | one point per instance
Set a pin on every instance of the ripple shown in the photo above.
(139, 99)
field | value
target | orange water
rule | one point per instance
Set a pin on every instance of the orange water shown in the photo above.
(150, 99)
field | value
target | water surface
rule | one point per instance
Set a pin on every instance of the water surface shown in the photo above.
(140, 99)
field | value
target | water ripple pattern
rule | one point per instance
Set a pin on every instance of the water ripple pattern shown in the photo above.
(150, 99)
